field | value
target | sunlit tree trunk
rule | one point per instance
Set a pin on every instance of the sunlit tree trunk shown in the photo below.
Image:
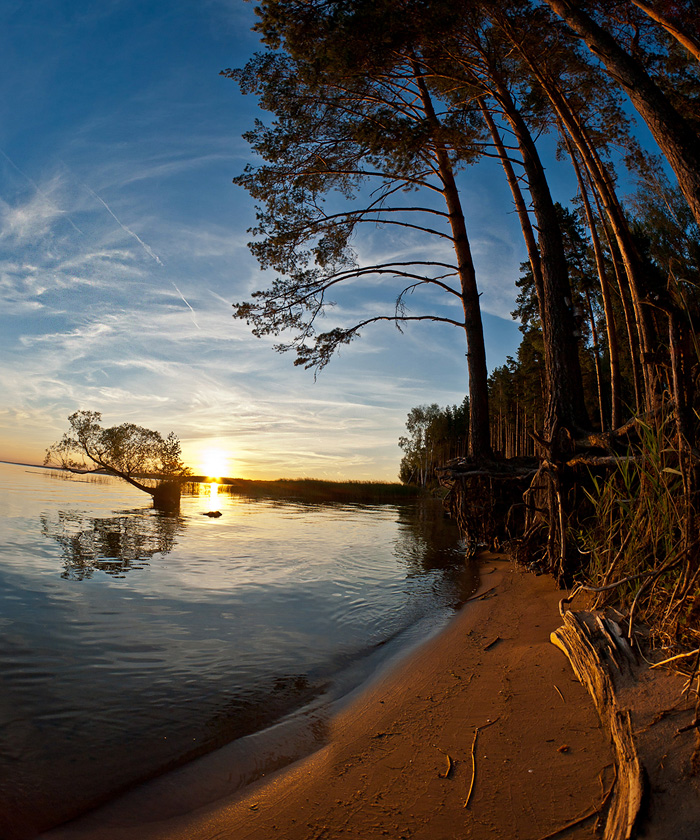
(673, 27)
(611, 330)
(565, 407)
(596, 360)
(632, 336)
(604, 186)
(479, 437)
(674, 135)
(520, 206)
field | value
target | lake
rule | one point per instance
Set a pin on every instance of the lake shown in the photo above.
(132, 641)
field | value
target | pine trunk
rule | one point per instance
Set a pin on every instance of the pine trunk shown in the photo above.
(604, 186)
(611, 330)
(479, 437)
(520, 206)
(565, 407)
(674, 29)
(674, 135)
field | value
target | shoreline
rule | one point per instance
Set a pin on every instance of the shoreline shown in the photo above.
(230, 770)
(379, 765)
(481, 731)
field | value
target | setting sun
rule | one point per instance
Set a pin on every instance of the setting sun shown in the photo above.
(215, 463)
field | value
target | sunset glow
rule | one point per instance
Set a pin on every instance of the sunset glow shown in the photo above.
(214, 463)
(124, 244)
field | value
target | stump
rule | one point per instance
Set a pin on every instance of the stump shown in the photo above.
(166, 496)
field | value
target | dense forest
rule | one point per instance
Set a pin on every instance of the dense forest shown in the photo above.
(580, 452)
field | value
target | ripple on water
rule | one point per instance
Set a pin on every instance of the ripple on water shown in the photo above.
(131, 641)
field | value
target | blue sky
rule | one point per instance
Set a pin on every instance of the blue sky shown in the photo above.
(123, 246)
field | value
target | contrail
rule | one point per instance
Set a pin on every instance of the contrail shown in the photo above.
(147, 248)
(41, 192)
(187, 303)
(151, 253)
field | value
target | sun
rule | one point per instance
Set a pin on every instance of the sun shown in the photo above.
(215, 463)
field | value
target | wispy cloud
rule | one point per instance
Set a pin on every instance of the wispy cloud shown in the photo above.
(28, 221)
(42, 198)
(123, 245)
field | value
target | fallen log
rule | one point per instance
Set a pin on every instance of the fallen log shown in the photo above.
(592, 644)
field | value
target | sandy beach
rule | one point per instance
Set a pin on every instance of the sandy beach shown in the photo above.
(405, 760)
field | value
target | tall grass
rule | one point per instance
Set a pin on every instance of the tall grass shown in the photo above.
(641, 538)
(319, 490)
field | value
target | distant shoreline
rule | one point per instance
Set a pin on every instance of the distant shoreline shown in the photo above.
(316, 489)
(25, 464)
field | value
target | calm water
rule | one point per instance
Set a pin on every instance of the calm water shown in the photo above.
(131, 641)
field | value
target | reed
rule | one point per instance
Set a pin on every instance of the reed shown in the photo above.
(641, 534)
(319, 490)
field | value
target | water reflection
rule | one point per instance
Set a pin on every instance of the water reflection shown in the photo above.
(251, 616)
(260, 706)
(207, 495)
(114, 545)
(427, 540)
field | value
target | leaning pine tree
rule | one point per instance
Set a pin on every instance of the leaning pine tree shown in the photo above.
(355, 120)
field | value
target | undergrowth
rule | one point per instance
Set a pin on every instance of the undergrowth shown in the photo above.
(641, 536)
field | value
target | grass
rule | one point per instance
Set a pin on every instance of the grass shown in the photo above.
(642, 534)
(318, 490)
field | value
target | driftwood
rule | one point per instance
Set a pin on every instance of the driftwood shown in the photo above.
(458, 468)
(597, 650)
(476, 735)
(602, 460)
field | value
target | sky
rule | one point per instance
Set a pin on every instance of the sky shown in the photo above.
(123, 245)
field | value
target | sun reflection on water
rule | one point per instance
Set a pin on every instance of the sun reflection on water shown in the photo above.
(208, 496)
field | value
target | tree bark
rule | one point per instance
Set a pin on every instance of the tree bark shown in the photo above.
(613, 350)
(520, 206)
(605, 188)
(565, 407)
(479, 436)
(596, 360)
(673, 28)
(674, 135)
(632, 334)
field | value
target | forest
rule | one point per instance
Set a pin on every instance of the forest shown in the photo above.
(580, 454)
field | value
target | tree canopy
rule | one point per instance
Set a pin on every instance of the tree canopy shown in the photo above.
(380, 110)
(435, 435)
(360, 121)
(143, 458)
(582, 450)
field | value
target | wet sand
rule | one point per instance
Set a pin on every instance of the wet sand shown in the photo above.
(400, 759)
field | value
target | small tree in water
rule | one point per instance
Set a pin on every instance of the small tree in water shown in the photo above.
(130, 452)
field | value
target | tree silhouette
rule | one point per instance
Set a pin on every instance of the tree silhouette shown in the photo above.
(139, 456)
(352, 118)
